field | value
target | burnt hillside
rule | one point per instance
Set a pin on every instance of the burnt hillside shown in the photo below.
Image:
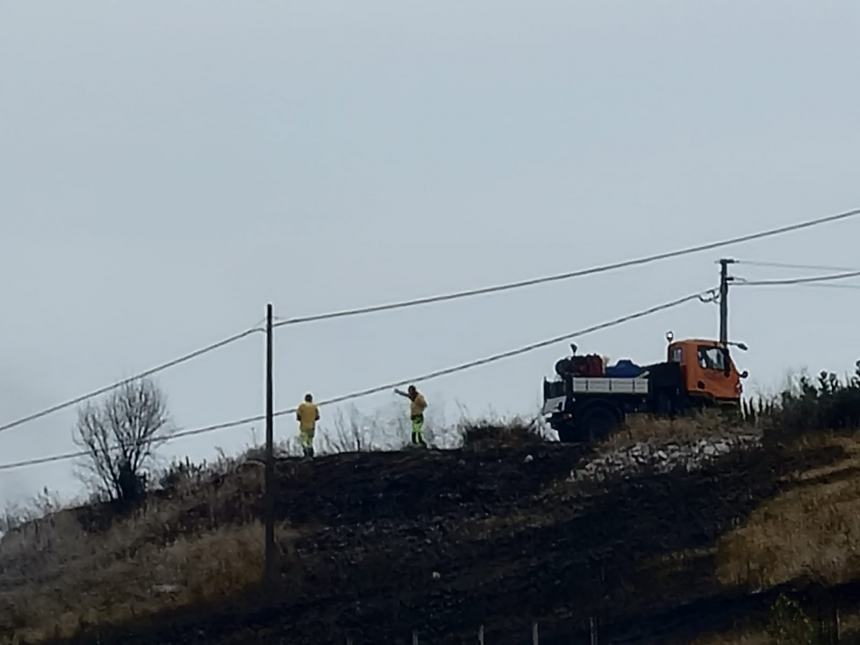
(376, 545)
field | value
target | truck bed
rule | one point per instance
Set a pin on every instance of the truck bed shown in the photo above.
(554, 396)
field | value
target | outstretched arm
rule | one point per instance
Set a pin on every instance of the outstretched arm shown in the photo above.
(401, 393)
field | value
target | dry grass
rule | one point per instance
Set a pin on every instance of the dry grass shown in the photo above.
(850, 627)
(191, 570)
(200, 544)
(641, 428)
(735, 637)
(812, 531)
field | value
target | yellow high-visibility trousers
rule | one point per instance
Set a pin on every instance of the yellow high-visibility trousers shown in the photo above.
(306, 438)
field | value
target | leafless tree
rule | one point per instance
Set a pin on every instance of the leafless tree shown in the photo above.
(120, 435)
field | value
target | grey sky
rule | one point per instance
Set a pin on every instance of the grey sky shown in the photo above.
(167, 168)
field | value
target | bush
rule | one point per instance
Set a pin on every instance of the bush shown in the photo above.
(788, 624)
(810, 405)
(484, 434)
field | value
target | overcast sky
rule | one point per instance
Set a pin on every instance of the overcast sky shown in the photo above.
(168, 168)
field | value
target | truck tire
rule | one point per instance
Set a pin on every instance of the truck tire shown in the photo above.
(598, 422)
(568, 435)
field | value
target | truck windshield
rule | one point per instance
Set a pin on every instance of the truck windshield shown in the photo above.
(712, 358)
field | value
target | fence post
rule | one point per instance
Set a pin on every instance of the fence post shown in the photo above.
(592, 630)
(414, 637)
(535, 634)
(481, 635)
(837, 624)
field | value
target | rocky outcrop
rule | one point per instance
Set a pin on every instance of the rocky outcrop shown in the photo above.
(662, 456)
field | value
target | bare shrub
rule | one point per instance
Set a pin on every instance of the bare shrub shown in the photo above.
(482, 435)
(119, 436)
(182, 472)
(14, 515)
(347, 432)
(350, 430)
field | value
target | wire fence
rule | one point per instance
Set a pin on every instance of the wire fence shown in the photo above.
(586, 631)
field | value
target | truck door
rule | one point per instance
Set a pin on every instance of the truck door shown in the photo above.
(714, 374)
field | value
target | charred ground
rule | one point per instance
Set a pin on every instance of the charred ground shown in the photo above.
(381, 544)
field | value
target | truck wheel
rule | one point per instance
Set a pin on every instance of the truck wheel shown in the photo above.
(598, 422)
(567, 435)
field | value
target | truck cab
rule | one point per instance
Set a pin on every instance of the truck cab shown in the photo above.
(707, 371)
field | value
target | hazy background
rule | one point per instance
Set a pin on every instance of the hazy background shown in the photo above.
(167, 168)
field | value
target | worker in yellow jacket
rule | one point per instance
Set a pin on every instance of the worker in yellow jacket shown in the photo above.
(307, 414)
(416, 412)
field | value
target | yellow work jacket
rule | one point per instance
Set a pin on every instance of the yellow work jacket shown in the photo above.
(308, 414)
(418, 405)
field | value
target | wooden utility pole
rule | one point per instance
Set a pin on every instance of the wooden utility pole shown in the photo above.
(269, 493)
(724, 300)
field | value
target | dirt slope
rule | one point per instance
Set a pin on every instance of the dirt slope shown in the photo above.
(442, 542)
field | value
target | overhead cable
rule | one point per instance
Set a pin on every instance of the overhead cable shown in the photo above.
(800, 267)
(113, 386)
(382, 388)
(797, 281)
(433, 299)
(514, 352)
(570, 274)
(827, 285)
(807, 285)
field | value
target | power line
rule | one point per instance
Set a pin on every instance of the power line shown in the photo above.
(571, 274)
(433, 299)
(108, 388)
(161, 440)
(42, 460)
(382, 388)
(802, 267)
(814, 285)
(797, 281)
(831, 286)
(514, 352)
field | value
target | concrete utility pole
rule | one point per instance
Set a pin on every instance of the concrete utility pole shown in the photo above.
(724, 300)
(269, 493)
